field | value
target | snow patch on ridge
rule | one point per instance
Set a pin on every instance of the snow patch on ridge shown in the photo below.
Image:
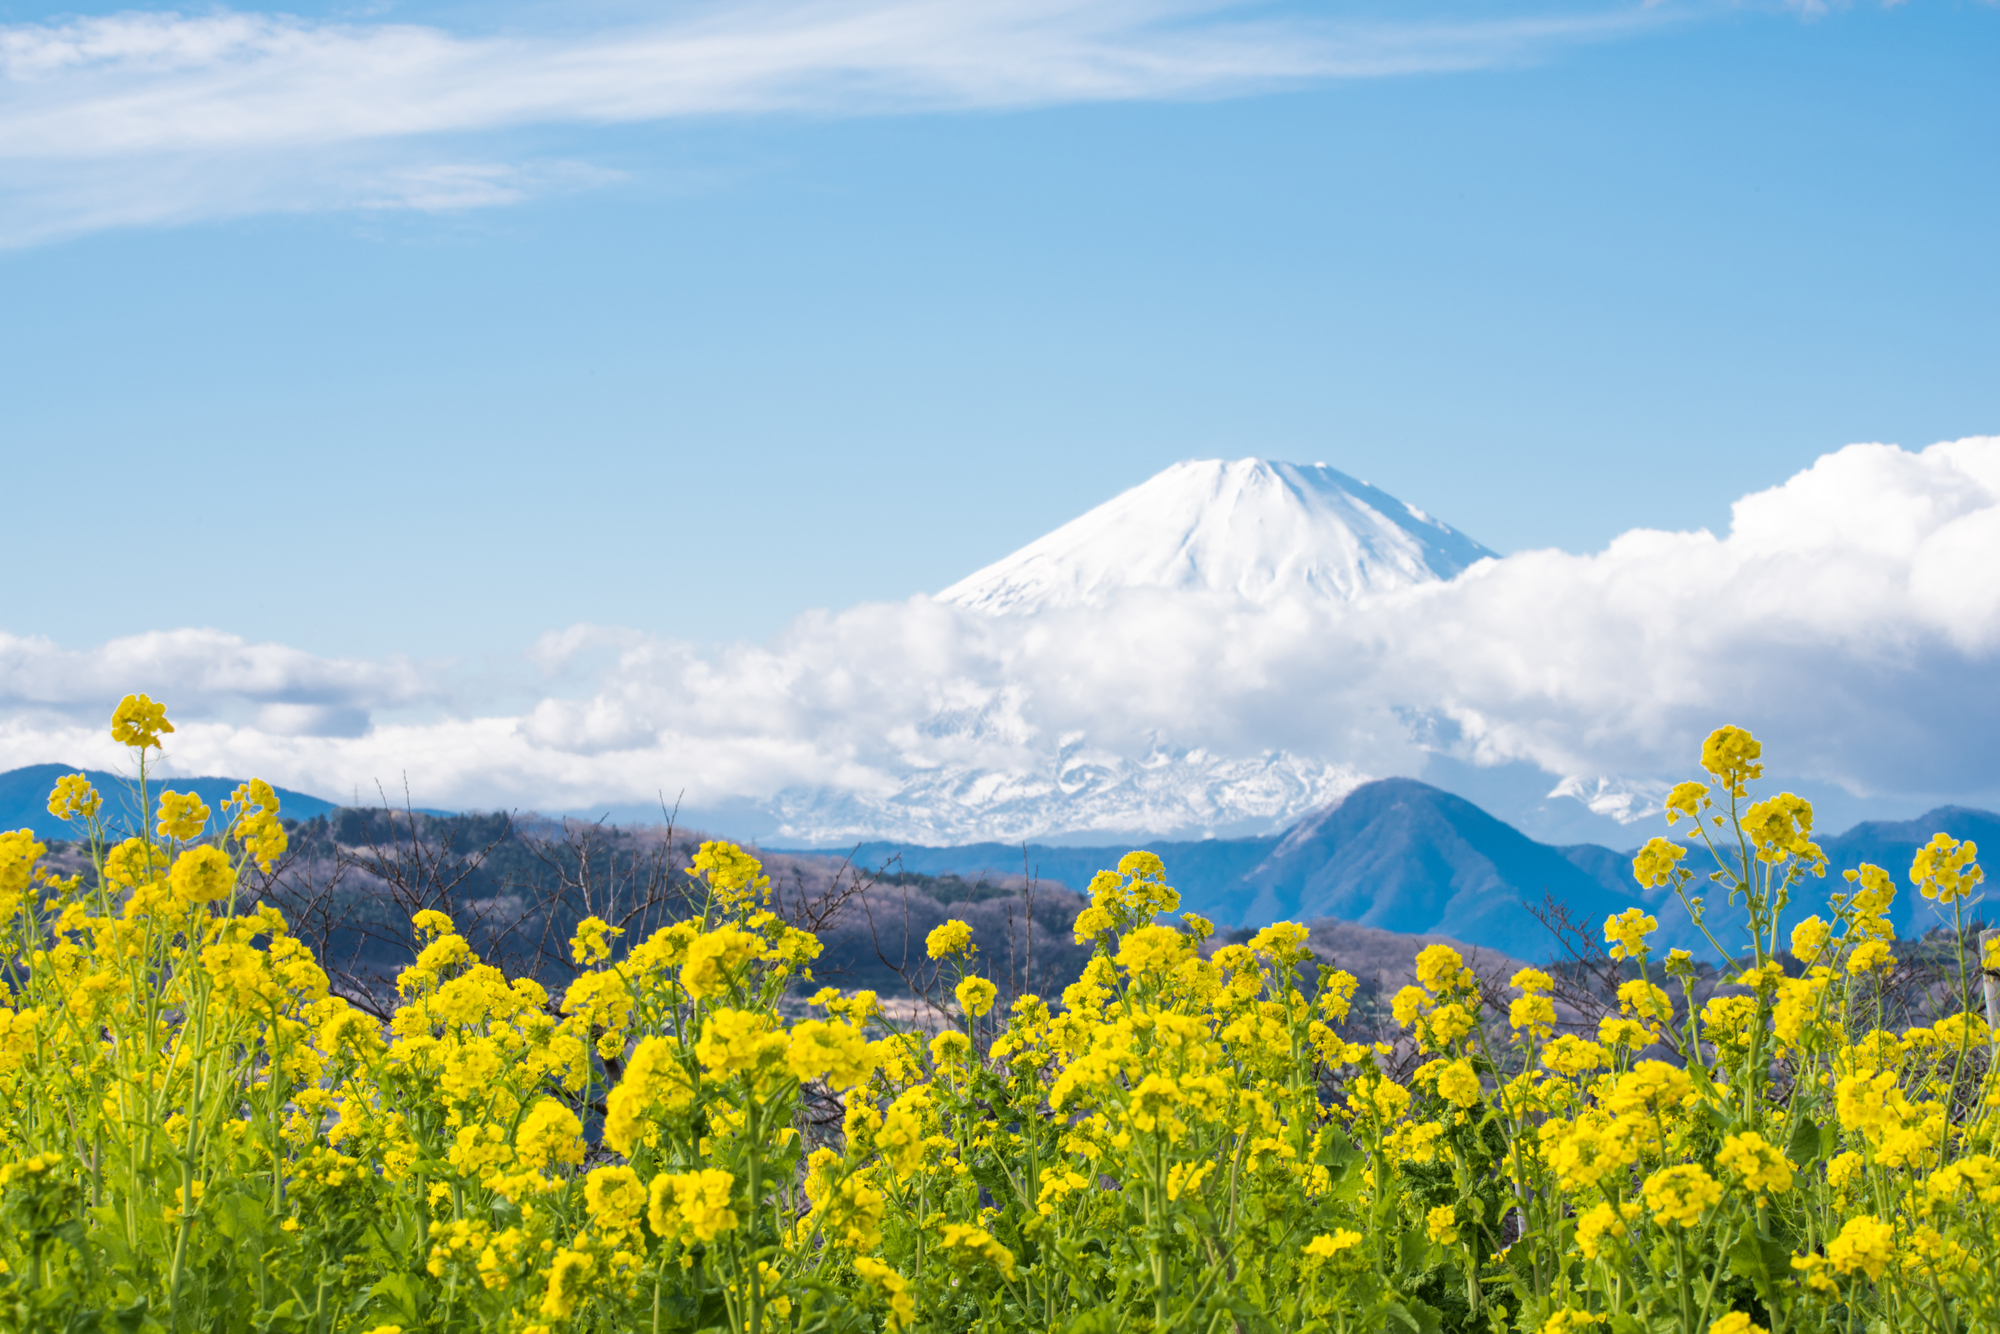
(1083, 791)
(1626, 800)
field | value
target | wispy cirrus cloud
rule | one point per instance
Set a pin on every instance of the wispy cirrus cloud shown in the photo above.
(145, 117)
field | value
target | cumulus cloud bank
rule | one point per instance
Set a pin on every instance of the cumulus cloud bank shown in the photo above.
(148, 117)
(1851, 616)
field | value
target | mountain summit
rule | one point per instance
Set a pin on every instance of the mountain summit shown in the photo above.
(1265, 531)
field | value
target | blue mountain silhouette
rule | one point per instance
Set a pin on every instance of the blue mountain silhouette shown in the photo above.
(24, 798)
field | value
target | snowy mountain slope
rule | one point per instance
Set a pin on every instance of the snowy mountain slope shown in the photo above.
(1262, 530)
(1083, 792)
(1261, 536)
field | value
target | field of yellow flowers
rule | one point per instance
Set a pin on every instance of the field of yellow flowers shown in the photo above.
(197, 1135)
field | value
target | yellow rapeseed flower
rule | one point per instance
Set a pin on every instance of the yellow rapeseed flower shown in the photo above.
(655, 1081)
(735, 1042)
(1458, 1083)
(1442, 972)
(1603, 1221)
(1758, 1165)
(1779, 828)
(1875, 893)
(1871, 955)
(132, 863)
(736, 877)
(203, 875)
(1687, 799)
(1534, 1014)
(263, 837)
(592, 942)
(1728, 1020)
(1626, 933)
(716, 959)
(349, 1031)
(1532, 981)
(615, 1197)
(1735, 1323)
(183, 815)
(954, 937)
(893, 1286)
(1091, 923)
(1651, 1004)
(962, 1240)
(1327, 1245)
(837, 1052)
(1866, 1244)
(1732, 755)
(1658, 863)
(1681, 1194)
(950, 1048)
(693, 1204)
(1571, 1055)
(137, 721)
(1284, 943)
(430, 924)
(1943, 869)
(1145, 892)
(569, 1281)
(1649, 1089)
(73, 798)
(549, 1133)
(976, 995)
(18, 854)
(1408, 1003)
(1809, 939)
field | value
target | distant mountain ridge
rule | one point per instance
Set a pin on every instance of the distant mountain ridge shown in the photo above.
(24, 798)
(1394, 854)
(1259, 529)
(1890, 844)
(1400, 855)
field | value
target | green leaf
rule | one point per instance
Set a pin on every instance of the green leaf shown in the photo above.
(1414, 1253)
(404, 1291)
(1754, 1257)
(1396, 1310)
(1417, 1316)
(1336, 1149)
(1808, 1140)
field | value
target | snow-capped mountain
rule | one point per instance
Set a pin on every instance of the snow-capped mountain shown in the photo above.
(1262, 530)
(1084, 792)
(1256, 534)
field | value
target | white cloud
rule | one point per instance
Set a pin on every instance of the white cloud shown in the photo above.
(1851, 617)
(206, 665)
(143, 117)
(54, 701)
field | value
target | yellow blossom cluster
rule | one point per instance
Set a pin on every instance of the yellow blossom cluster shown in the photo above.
(200, 1129)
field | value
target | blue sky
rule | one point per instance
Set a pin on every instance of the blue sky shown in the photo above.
(552, 404)
(709, 370)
